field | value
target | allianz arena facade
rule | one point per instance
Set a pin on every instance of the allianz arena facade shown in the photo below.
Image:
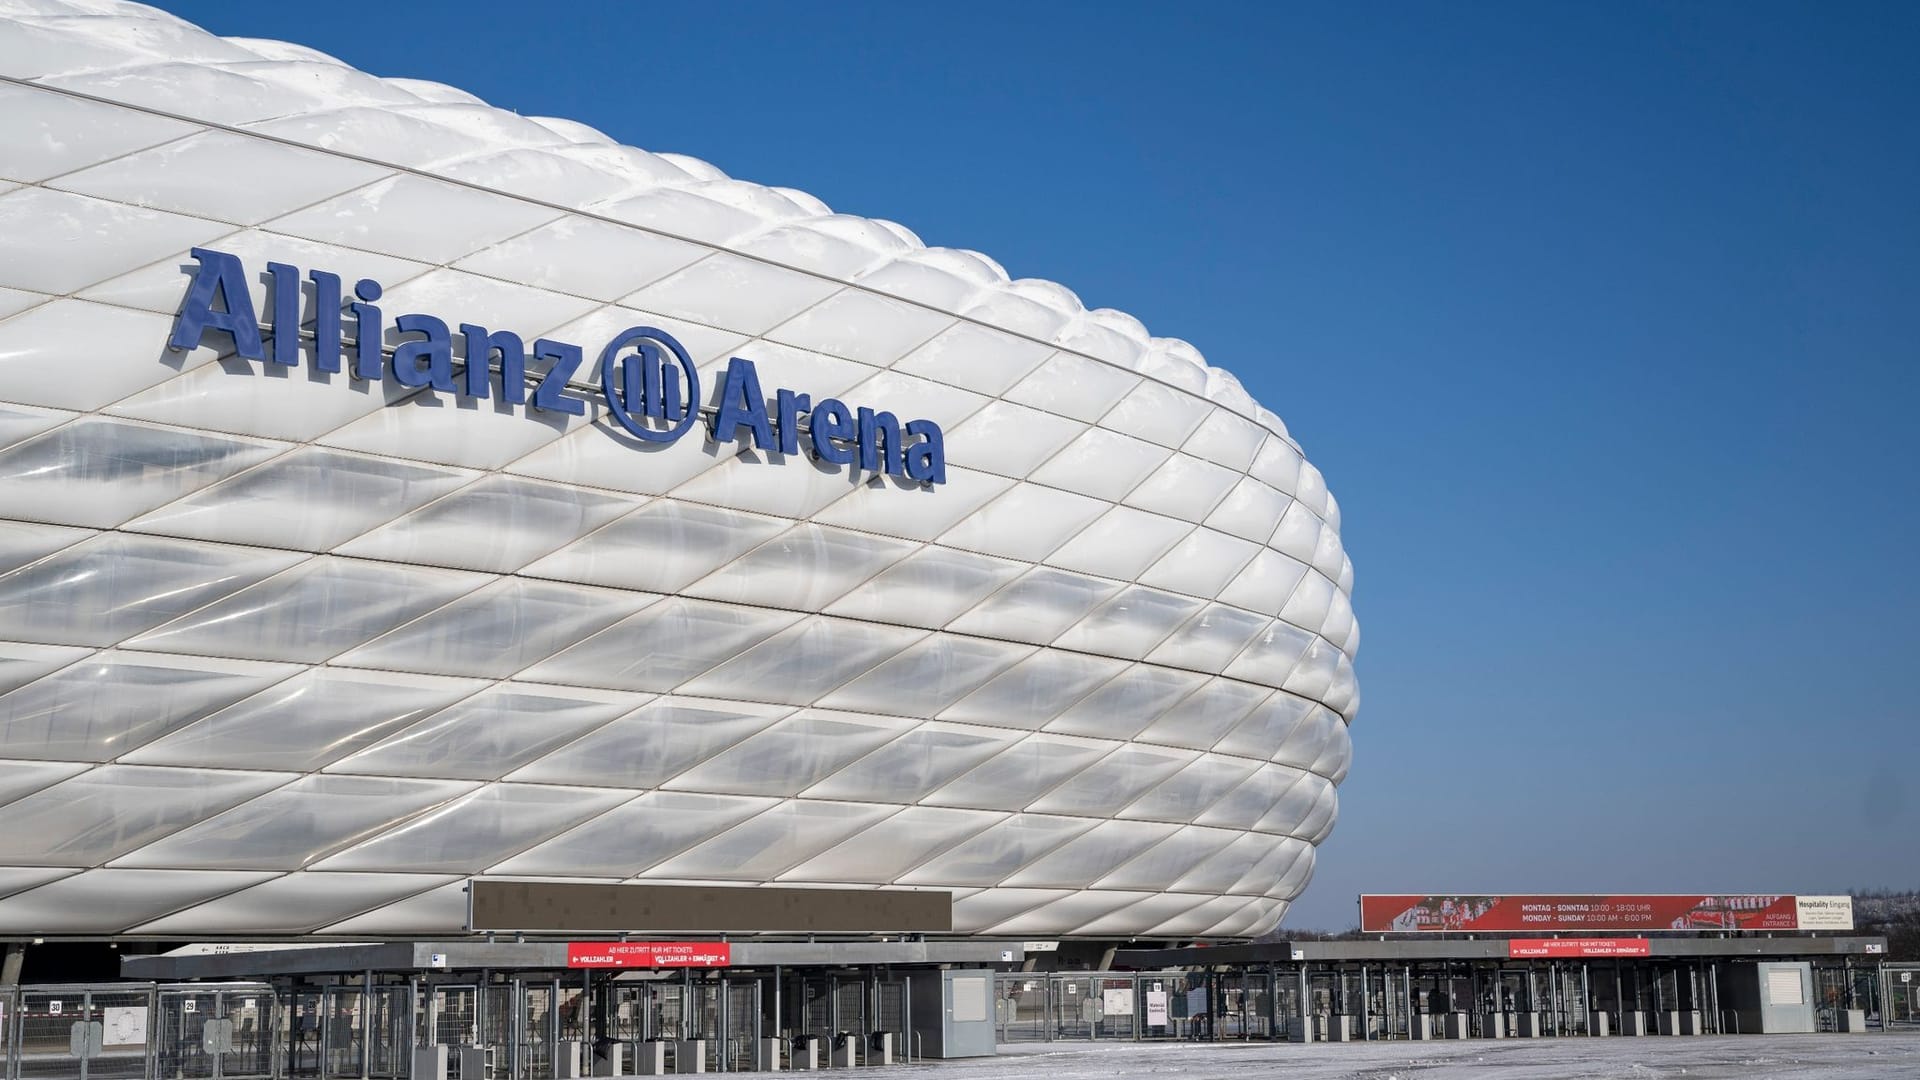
(300, 635)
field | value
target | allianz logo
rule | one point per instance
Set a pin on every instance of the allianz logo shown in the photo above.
(648, 383)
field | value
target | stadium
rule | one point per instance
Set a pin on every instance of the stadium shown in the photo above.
(401, 493)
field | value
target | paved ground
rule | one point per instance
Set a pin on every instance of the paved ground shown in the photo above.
(1871, 1056)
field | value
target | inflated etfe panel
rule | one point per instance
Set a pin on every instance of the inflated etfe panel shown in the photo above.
(395, 490)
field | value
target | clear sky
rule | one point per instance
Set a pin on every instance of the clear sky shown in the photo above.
(1603, 321)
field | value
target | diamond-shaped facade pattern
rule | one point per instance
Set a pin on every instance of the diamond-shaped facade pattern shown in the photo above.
(284, 652)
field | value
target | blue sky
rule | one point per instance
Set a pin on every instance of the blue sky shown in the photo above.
(1603, 321)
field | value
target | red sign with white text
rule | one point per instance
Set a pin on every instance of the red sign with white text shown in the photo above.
(648, 954)
(1561, 948)
(1603, 914)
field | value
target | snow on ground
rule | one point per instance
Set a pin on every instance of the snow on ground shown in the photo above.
(1872, 1056)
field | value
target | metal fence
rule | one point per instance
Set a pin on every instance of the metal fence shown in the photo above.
(140, 1032)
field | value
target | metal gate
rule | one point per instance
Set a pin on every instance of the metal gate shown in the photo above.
(82, 1033)
(1899, 996)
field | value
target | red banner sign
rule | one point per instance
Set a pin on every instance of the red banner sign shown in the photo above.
(1562, 948)
(648, 954)
(1587, 914)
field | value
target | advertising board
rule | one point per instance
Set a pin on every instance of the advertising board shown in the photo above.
(1497, 913)
(1577, 948)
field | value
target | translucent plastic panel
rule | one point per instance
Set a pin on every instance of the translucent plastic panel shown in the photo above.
(1277, 465)
(787, 487)
(1023, 772)
(109, 810)
(1035, 691)
(307, 721)
(761, 848)
(45, 133)
(734, 293)
(1307, 608)
(1273, 867)
(976, 358)
(1128, 921)
(1206, 716)
(1074, 386)
(297, 824)
(1130, 624)
(22, 542)
(1102, 464)
(1121, 543)
(1009, 439)
(1339, 624)
(1298, 534)
(1085, 859)
(114, 586)
(297, 902)
(115, 899)
(635, 836)
(15, 879)
(999, 851)
(662, 647)
(106, 705)
(1162, 865)
(1313, 489)
(490, 734)
(1200, 919)
(1225, 867)
(1313, 675)
(973, 914)
(1201, 564)
(1064, 915)
(176, 176)
(39, 344)
(310, 499)
(801, 664)
(1335, 759)
(928, 677)
(19, 778)
(1027, 523)
(1226, 439)
(61, 243)
(20, 663)
(1261, 734)
(415, 217)
(1185, 487)
(470, 834)
(585, 257)
(916, 512)
(1191, 791)
(1264, 584)
(1271, 655)
(1158, 413)
(861, 326)
(1113, 782)
(1247, 804)
(792, 755)
(1211, 639)
(1038, 607)
(312, 612)
(1306, 742)
(102, 472)
(1328, 556)
(894, 846)
(1127, 702)
(434, 913)
(803, 569)
(653, 744)
(499, 629)
(928, 588)
(497, 524)
(1250, 511)
(664, 546)
(906, 769)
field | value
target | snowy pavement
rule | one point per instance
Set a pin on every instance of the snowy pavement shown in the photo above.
(1871, 1056)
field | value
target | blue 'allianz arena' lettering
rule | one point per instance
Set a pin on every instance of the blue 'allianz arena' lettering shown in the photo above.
(648, 384)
